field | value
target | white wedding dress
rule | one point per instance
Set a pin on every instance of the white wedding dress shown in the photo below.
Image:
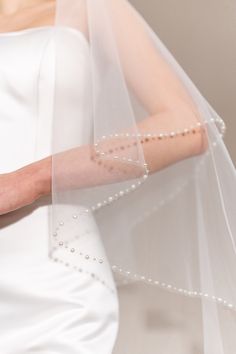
(44, 306)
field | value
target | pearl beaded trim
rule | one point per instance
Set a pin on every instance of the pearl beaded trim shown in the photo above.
(73, 249)
(81, 270)
(150, 281)
(170, 287)
(160, 136)
(191, 293)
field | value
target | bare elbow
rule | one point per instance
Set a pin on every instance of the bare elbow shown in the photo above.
(199, 139)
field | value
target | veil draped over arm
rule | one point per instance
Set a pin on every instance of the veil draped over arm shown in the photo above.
(140, 152)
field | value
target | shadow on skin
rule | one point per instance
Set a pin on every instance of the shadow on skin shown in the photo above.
(16, 215)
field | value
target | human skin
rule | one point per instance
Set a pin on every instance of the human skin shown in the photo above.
(29, 183)
(19, 14)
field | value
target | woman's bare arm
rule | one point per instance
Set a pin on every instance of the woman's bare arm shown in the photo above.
(160, 92)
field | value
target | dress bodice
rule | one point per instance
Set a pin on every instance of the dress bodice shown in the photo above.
(35, 66)
(51, 305)
(32, 62)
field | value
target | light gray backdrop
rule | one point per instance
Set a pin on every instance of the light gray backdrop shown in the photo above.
(202, 36)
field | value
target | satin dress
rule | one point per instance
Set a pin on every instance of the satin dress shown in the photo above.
(44, 307)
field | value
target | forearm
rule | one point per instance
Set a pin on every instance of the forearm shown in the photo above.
(75, 168)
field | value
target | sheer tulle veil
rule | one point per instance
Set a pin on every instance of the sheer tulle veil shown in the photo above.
(167, 224)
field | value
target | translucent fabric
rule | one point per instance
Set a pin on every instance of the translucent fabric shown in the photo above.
(152, 172)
